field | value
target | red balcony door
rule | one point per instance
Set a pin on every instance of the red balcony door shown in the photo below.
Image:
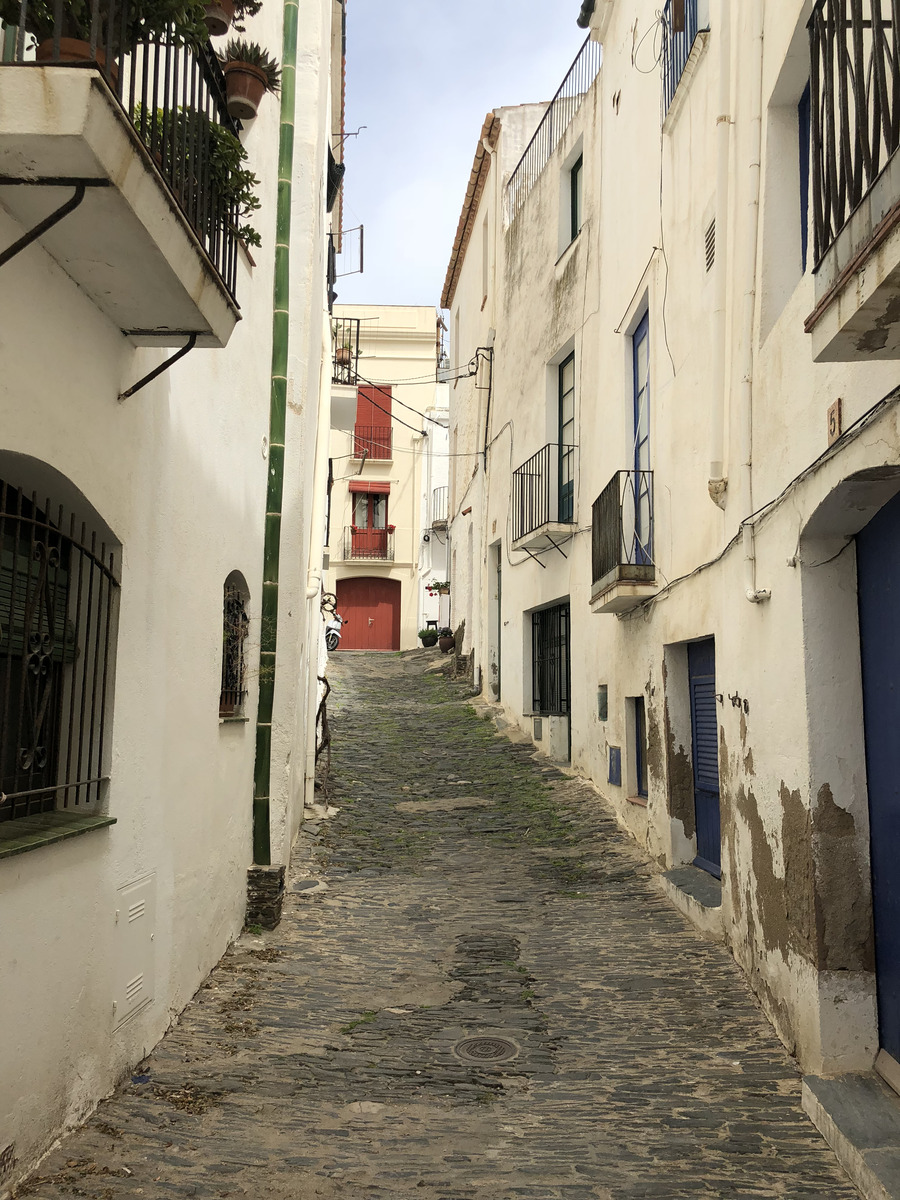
(370, 525)
(371, 607)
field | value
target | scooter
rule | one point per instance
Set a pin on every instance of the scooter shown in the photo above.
(333, 631)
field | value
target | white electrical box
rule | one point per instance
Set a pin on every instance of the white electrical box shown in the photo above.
(135, 932)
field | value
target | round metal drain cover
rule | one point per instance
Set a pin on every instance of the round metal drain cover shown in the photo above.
(486, 1050)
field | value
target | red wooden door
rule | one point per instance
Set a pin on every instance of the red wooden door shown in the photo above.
(371, 607)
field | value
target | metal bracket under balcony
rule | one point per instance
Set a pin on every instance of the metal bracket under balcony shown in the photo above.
(128, 244)
(624, 573)
(543, 499)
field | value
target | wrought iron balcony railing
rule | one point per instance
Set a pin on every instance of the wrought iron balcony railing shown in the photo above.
(440, 499)
(172, 90)
(543, 490)
(854, 107)
(368, 543)
(373, 441)
(346, 349)
(560, 111)
(680, 28)
(622, 529)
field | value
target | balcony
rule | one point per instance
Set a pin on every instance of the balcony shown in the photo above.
(373, 442)
(367, 544)
(118, 154)
(854, 136)
(440, 499)
(543, 499)
(683, 21)
(344, 364)
(624, 573)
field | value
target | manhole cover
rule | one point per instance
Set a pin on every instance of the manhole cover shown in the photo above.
(486, 1049)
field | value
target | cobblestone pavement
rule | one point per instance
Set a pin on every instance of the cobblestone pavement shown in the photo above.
(464, 890)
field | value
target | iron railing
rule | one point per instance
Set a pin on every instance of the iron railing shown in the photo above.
(368, 543)
(440, 500)
(551, 670)
(58, 593)
(542, 490)
(622, 528)
(173, 93)
(854, 106)
(372, 441)
(680, 26)
(554, 123)
(346, 349)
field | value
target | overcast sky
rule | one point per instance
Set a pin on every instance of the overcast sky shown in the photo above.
(421, 75)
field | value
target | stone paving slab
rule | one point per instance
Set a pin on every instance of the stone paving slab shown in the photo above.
(465, 889)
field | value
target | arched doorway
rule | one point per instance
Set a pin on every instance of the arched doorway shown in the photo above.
(370, 606)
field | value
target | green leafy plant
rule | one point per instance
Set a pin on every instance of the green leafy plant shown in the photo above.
(146, 20)
(254, 55)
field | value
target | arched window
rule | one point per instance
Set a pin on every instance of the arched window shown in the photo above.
(235, 626)
(58, 596)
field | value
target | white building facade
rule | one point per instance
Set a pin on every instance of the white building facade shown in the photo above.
(681, 481)
(161, 553)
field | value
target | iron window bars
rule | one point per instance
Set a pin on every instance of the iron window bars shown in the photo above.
(235, 626)
(58, 596)
(554, 123)
(346, 349)
(855, 106)
(622, 528)
(678, 41)
(368, 543)
(373, 441)
(173, 94)
(551, 673)
(541, 489)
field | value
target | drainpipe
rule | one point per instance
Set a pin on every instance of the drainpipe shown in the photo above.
(748, 275)
(718, 482)
(262, 771)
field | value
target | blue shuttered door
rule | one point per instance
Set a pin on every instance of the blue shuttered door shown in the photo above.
(705, 739)
(878, 573)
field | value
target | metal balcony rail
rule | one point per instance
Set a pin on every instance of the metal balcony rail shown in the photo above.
(542, 490)
(854, 107)
(368, 543)
(622, 526)
(373, 441)
(440, 499)
(562, 108)
(346, 349)
(58, 595)
(173, 93)
(680, 26)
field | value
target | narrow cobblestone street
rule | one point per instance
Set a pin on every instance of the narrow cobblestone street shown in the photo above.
(465, 889)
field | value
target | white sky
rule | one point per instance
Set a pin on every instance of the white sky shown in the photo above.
(421, 75)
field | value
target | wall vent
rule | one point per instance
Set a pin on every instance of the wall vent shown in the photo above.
(710, 240)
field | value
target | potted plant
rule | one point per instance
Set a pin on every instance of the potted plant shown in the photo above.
(441, 586)
(250, 72)
(446, 640)
(429, 637)
(222, 15)
(343, 353)
(391, 528)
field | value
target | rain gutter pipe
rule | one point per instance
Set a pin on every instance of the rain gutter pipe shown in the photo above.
(718, 482)
(268, 642)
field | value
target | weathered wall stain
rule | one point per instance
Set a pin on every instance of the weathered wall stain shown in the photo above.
(680, 791)
(843, 908)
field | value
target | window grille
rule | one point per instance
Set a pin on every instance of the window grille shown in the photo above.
(58, 598)
(550, 660)
(710, 244)
(235, 625)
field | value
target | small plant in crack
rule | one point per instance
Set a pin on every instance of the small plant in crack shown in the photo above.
(366, 1019)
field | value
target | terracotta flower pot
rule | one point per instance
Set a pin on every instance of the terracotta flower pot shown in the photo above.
(446, 644)
(245, 87)
(74, 50)
(218, 17)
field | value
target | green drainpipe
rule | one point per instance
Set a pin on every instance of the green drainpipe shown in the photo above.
(262, 851)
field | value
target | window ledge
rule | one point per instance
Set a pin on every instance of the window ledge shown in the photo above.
(30, 833)
(640, 801)
(233, 720)
(568, 246)
(683, 86)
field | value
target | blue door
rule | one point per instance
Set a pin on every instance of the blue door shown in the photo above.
(643, 530)
(878, 574)
(705, 742)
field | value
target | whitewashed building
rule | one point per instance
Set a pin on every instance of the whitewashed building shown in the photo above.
(683, 538)
(384, 451)
(162, 508)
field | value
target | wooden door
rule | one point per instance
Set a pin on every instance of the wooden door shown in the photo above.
(705, 742)
(878, 575)
(371, 606)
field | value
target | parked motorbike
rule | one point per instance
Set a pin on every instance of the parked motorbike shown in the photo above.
(333, 631)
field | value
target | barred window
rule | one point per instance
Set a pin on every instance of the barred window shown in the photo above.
(235, 625)
(58, 599)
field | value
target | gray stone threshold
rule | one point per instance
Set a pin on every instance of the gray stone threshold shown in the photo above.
(859, 1117)
(698, 895)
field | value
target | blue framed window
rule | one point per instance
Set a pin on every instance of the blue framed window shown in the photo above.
(643, 528)
(640, 746)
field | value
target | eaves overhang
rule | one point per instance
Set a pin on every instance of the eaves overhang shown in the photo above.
(481, 166)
